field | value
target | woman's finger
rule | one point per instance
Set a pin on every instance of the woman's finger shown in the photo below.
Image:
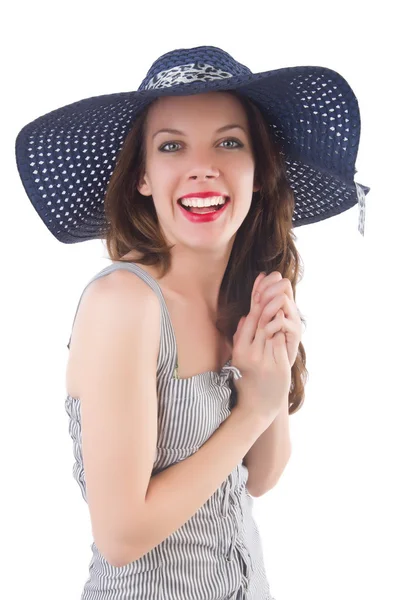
(244, 335)
(250, 324)
(265, 332)
(280, 301)
(280, 352)
(257, 281)
(272, 327)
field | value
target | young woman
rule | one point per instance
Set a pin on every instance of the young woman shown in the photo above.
(186, 357)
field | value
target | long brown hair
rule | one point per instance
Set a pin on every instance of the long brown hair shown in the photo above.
(263, 242)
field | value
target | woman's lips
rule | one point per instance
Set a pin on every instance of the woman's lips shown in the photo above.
(204, 217)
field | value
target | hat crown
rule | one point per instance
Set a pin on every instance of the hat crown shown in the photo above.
(192, 65)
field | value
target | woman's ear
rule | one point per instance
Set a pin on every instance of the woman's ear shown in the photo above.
(143, 187)
(256, 187)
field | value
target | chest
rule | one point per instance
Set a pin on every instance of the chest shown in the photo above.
(200, 346)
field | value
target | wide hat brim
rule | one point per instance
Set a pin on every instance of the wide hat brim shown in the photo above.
(65, 158)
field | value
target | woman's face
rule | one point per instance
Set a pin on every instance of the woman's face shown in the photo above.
(198, 159)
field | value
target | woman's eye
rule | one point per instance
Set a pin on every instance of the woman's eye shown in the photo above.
(168, 144)
(234, 141)
(176, 144)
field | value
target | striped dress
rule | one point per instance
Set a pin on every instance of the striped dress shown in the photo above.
(216, 554)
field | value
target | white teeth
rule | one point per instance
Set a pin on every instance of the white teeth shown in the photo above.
(212, 201)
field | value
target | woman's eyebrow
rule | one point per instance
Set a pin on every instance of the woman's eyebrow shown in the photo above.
(177, 132)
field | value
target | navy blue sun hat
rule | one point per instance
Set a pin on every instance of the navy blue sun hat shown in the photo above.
(65, 158)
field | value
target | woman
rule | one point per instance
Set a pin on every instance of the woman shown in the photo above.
(214, 167)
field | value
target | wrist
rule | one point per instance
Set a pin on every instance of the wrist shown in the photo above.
(258, 420)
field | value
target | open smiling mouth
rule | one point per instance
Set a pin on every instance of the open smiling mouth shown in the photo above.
(204, 209)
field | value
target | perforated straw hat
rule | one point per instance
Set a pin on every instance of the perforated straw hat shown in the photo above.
(65, 158)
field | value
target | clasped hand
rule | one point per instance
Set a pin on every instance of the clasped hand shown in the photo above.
(265, 344)
(277, 310)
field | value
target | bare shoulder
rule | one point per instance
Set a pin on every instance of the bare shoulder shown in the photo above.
(121, 296)
(121, 281)
(112, 307)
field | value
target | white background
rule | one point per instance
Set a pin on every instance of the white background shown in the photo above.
(328, 528)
